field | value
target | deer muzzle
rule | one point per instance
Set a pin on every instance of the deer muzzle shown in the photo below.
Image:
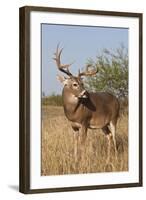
(83, 94)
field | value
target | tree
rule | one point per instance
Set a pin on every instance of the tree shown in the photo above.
(113, 72)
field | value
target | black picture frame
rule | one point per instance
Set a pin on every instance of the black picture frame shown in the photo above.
(24, 77)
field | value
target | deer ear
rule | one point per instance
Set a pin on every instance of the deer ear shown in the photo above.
(62, 79)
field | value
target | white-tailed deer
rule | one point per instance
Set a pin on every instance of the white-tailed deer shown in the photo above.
(87, 110)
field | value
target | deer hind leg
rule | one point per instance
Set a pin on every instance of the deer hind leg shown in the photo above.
(113, 132)
(107, 132)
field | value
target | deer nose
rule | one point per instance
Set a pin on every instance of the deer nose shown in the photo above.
(83, 94)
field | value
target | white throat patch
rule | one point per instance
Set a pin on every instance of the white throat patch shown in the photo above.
(72, 99)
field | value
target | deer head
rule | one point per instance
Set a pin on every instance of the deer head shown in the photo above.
(71, 82)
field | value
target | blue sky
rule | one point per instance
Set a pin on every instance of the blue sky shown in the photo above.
(80, 43)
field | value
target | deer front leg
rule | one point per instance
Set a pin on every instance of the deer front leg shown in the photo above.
(76, 143)
(82, 140)
(76, 127)
(80, 134)
(83, 135)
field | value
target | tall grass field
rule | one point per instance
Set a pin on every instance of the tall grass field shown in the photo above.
(57, 147)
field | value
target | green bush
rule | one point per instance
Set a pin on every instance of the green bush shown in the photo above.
(53, 100)
(113, 72)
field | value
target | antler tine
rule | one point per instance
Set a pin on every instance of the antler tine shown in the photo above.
(87, 72)
(60, 66)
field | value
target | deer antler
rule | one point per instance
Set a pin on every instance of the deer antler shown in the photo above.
(87, 72)
(60, 66)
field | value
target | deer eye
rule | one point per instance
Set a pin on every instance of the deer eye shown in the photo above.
(75, 84)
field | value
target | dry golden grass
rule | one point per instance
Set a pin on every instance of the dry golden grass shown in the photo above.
(57, 146)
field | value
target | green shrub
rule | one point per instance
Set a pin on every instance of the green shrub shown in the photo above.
(53, 100)
(113, 72)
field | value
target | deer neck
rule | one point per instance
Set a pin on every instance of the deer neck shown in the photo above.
(71, 104)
